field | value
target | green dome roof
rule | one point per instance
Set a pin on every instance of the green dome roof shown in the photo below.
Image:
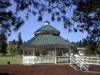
(47, 29)
(45, 36)
(47, 21)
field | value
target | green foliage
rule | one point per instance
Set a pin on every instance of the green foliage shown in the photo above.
(84, 42)
(74, 50)
(49, 52)
(88, 50)
(98, 49)
(91, 48)
(14, 42)
(8, 19)
(44, 52)
(3, 44)
(86, 14)
(37, 53)
(59, 53)
(80, 44)
(12, 49)
(19, 43)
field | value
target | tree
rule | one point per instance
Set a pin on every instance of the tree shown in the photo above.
(44, 53)
(85, 13)
(88, 50)
(88, 15)
(19, 43)
(74, 50)
(3, 44)
(37, 53)
(14, 42)
(59, 53)
(9, 19)
(12, 49)
(84, 42)
(98, 49)
(80, 44)
(73, 43)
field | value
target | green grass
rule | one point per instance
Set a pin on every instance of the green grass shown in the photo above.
(6, 54)
(12, 59)
(94, 62)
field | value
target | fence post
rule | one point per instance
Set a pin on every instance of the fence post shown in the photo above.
(81, 66)
(91, 59)
(97, 60)
(70, 59)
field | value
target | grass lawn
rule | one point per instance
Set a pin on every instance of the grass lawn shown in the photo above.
(6, 54)
(12, 59)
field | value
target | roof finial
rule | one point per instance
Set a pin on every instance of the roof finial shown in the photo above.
(46, 22)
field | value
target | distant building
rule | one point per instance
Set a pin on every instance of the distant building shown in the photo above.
(81, 50)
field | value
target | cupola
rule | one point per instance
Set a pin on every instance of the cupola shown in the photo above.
(46, 23)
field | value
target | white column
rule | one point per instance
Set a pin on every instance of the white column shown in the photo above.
(23, 57)
(55, 56)
(69, 54)
(33, 56)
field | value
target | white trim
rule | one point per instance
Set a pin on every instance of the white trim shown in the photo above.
(69, 52)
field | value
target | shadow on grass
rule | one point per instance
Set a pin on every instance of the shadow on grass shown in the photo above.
(6, 74)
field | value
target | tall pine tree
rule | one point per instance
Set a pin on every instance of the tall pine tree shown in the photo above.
(19, 43)
(3, 44)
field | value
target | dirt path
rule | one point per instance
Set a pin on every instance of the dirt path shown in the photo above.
(40, 70)
(95, 68)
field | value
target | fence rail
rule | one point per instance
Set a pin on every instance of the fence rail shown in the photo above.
(60, 59)
(91, 60)
(45, 59)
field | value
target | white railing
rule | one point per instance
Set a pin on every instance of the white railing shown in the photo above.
(38, 59)
(83, 63)
(28, 59)
(63, 59)
(45, 59)
(91, 60)
(80, 63)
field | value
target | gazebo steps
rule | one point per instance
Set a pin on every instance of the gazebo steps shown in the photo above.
(76, 67)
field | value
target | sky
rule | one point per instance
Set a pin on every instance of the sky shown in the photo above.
(32, 24)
